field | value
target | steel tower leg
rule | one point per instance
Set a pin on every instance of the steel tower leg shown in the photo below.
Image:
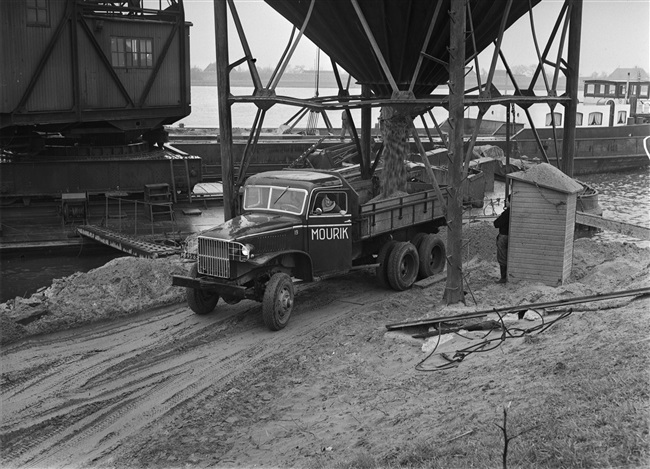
(230, 203)
(573, 66)
(366, 137)
(454, 288)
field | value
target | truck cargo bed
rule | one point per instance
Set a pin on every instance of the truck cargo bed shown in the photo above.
(384, 216)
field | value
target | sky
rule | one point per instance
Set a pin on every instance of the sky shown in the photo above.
(615, 33)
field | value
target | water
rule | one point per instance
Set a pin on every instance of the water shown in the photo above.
(624, 197)
(23, 275)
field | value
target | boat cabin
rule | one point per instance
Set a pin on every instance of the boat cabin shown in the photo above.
(608, 89)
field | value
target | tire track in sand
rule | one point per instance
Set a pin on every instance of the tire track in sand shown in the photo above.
(97, 402)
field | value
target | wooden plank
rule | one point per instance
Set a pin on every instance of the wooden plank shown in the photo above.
(627, 229)
(395, 202)
(392, 214)
(538, 233)
(542, 211)
(531, 273)
(547, 250)
(533, 270)
(533, 213)
(536, 261)
(547, 224)
(535, 237)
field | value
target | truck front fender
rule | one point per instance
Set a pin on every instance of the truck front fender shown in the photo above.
(298, 262)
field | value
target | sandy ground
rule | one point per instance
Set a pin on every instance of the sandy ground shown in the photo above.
(111, 369)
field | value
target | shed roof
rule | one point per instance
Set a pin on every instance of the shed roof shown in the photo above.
(547, 175)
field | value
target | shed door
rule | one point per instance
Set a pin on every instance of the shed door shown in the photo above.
(330, 232)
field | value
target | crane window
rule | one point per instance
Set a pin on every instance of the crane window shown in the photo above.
(131, 52)
(38, 13)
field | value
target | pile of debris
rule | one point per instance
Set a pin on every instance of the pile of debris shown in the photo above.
(123, 286)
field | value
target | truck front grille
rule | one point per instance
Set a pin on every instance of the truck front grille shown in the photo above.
(214, 257)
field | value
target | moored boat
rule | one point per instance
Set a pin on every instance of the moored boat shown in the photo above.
(612, 126)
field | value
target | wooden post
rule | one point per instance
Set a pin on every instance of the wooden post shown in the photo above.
(573, 68)
(230, 203)
(454, 287)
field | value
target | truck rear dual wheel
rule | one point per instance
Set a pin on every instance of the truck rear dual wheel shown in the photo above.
(277, 303)
(433, 256)
(200, 301)
(382, 259)
(403, 265)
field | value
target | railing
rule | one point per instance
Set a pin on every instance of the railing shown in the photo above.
(139, 218)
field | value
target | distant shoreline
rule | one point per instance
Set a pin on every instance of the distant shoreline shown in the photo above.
(306, 79)
(327, 79)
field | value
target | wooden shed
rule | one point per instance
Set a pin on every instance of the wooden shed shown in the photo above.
(542, 224)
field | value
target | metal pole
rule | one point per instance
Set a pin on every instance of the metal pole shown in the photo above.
(508, 107)
(225, 118)
(454, 287)
(573, 67)
(366, 137)
(375, 47)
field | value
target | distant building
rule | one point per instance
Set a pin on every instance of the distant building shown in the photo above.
(632, 74)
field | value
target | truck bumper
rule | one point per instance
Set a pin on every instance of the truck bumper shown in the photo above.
(223, 289)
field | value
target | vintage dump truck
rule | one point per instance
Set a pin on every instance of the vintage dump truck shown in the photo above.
(308, 225)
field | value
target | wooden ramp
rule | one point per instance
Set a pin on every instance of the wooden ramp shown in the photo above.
(125, 243)
(627, 229)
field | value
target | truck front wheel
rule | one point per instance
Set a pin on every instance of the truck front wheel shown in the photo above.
(403, 263)
(199, 301)
(432, 256)
(278, 301)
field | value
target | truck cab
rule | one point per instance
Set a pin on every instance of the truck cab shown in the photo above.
(313, 215)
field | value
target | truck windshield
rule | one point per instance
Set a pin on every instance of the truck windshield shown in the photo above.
(278, 199)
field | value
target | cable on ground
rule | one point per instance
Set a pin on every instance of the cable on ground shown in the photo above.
(506, 333)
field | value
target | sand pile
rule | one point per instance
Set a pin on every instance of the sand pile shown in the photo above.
(123, 286)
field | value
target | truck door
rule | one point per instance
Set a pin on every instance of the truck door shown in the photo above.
(330, 232)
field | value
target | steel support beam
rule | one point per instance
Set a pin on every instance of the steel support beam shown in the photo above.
(375, 47)
(570, 109)
(366, 137)
(454, 287)
(248, 56)
(230, 202)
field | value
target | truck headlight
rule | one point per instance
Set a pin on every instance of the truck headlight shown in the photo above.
(246, 250)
